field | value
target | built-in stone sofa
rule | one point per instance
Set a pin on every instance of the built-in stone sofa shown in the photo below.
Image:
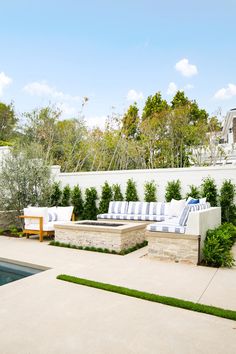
(175, 231)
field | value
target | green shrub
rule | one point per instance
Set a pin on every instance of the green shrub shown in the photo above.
(150, 191)
(218, 244)
(77, 202)
(194, 192)
(56, 194)
(228, 208)
(209, 190)
(105, 198)
(66, 195)
(117, 195)
(90, 208)
(131, 194)
(173, 190)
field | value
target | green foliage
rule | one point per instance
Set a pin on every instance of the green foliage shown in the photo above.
(106, 197)
(209, 190)
(150, 191)
(179, 100)
(66, 196)
(218, 244)
(194, 192)
(173, 190)
(227, 196)
(154, 104)
(117, 195)
(170, 301)
(24, 180)
(90, 207)
(131, 194)
(56, 194)
(77, 202)
(8, 121)
(130, 122)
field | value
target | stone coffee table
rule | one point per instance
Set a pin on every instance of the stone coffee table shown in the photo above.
(101, 234)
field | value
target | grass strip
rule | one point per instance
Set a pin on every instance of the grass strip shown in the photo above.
(166, 300)
(98, 249)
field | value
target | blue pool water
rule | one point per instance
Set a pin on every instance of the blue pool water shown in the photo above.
(11, 272)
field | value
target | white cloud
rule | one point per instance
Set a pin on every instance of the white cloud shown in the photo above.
(4, 82)
(226, 93)
(188, 87)
(133, 95)
(185, 68)
(172, 88)
(43, 89)
(67, 110)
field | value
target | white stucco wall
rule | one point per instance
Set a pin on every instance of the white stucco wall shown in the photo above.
(187, 176)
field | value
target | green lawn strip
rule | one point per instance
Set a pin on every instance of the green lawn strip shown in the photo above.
(98, 249)
(166, 300)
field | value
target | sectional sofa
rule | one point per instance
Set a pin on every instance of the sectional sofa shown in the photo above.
(175, 231)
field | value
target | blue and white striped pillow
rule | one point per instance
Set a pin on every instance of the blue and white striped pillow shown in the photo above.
(138, 208)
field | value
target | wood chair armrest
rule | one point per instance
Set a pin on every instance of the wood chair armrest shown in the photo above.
(30, 217)
(40, 219)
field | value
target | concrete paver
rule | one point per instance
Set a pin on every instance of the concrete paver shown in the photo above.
(42, 315)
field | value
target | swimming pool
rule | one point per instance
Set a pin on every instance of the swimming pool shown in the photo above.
(10, 272)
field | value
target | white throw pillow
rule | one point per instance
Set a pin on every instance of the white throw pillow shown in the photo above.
(64, 213)
(202, 200)
(176, 207)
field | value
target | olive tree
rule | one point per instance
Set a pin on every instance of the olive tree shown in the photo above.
(24, 181)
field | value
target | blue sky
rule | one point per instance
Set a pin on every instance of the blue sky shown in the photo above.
(115, 52)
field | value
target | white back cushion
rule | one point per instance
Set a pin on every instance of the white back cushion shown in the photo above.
(116, 207)
(176, 207)
(35, 211)
(64, 213)
(167, 209)
(138, 208)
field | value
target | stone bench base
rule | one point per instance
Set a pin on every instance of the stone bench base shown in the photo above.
(173, 247)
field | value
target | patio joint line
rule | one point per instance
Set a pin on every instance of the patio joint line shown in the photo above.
(210, 281)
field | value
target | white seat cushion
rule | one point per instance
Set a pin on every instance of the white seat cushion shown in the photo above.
(46, 227)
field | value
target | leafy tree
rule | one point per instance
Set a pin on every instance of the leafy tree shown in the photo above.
(105, 198)
(117, 195)
(66, 196)
(194, 192)
(56, 194)
(131, 191)
(77, 202)
(24, 181)
(209, 190)
(228, 207)
(8, 121)
(179, 100)
(150, 191)
(90, 207)
(130, 122)
(154, 104)
(173, 190)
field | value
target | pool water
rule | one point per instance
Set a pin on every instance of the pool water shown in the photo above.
(10, 272)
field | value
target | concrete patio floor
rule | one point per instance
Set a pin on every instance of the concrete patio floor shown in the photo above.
(42, 315)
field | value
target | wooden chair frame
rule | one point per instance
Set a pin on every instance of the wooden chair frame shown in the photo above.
(39, 232)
